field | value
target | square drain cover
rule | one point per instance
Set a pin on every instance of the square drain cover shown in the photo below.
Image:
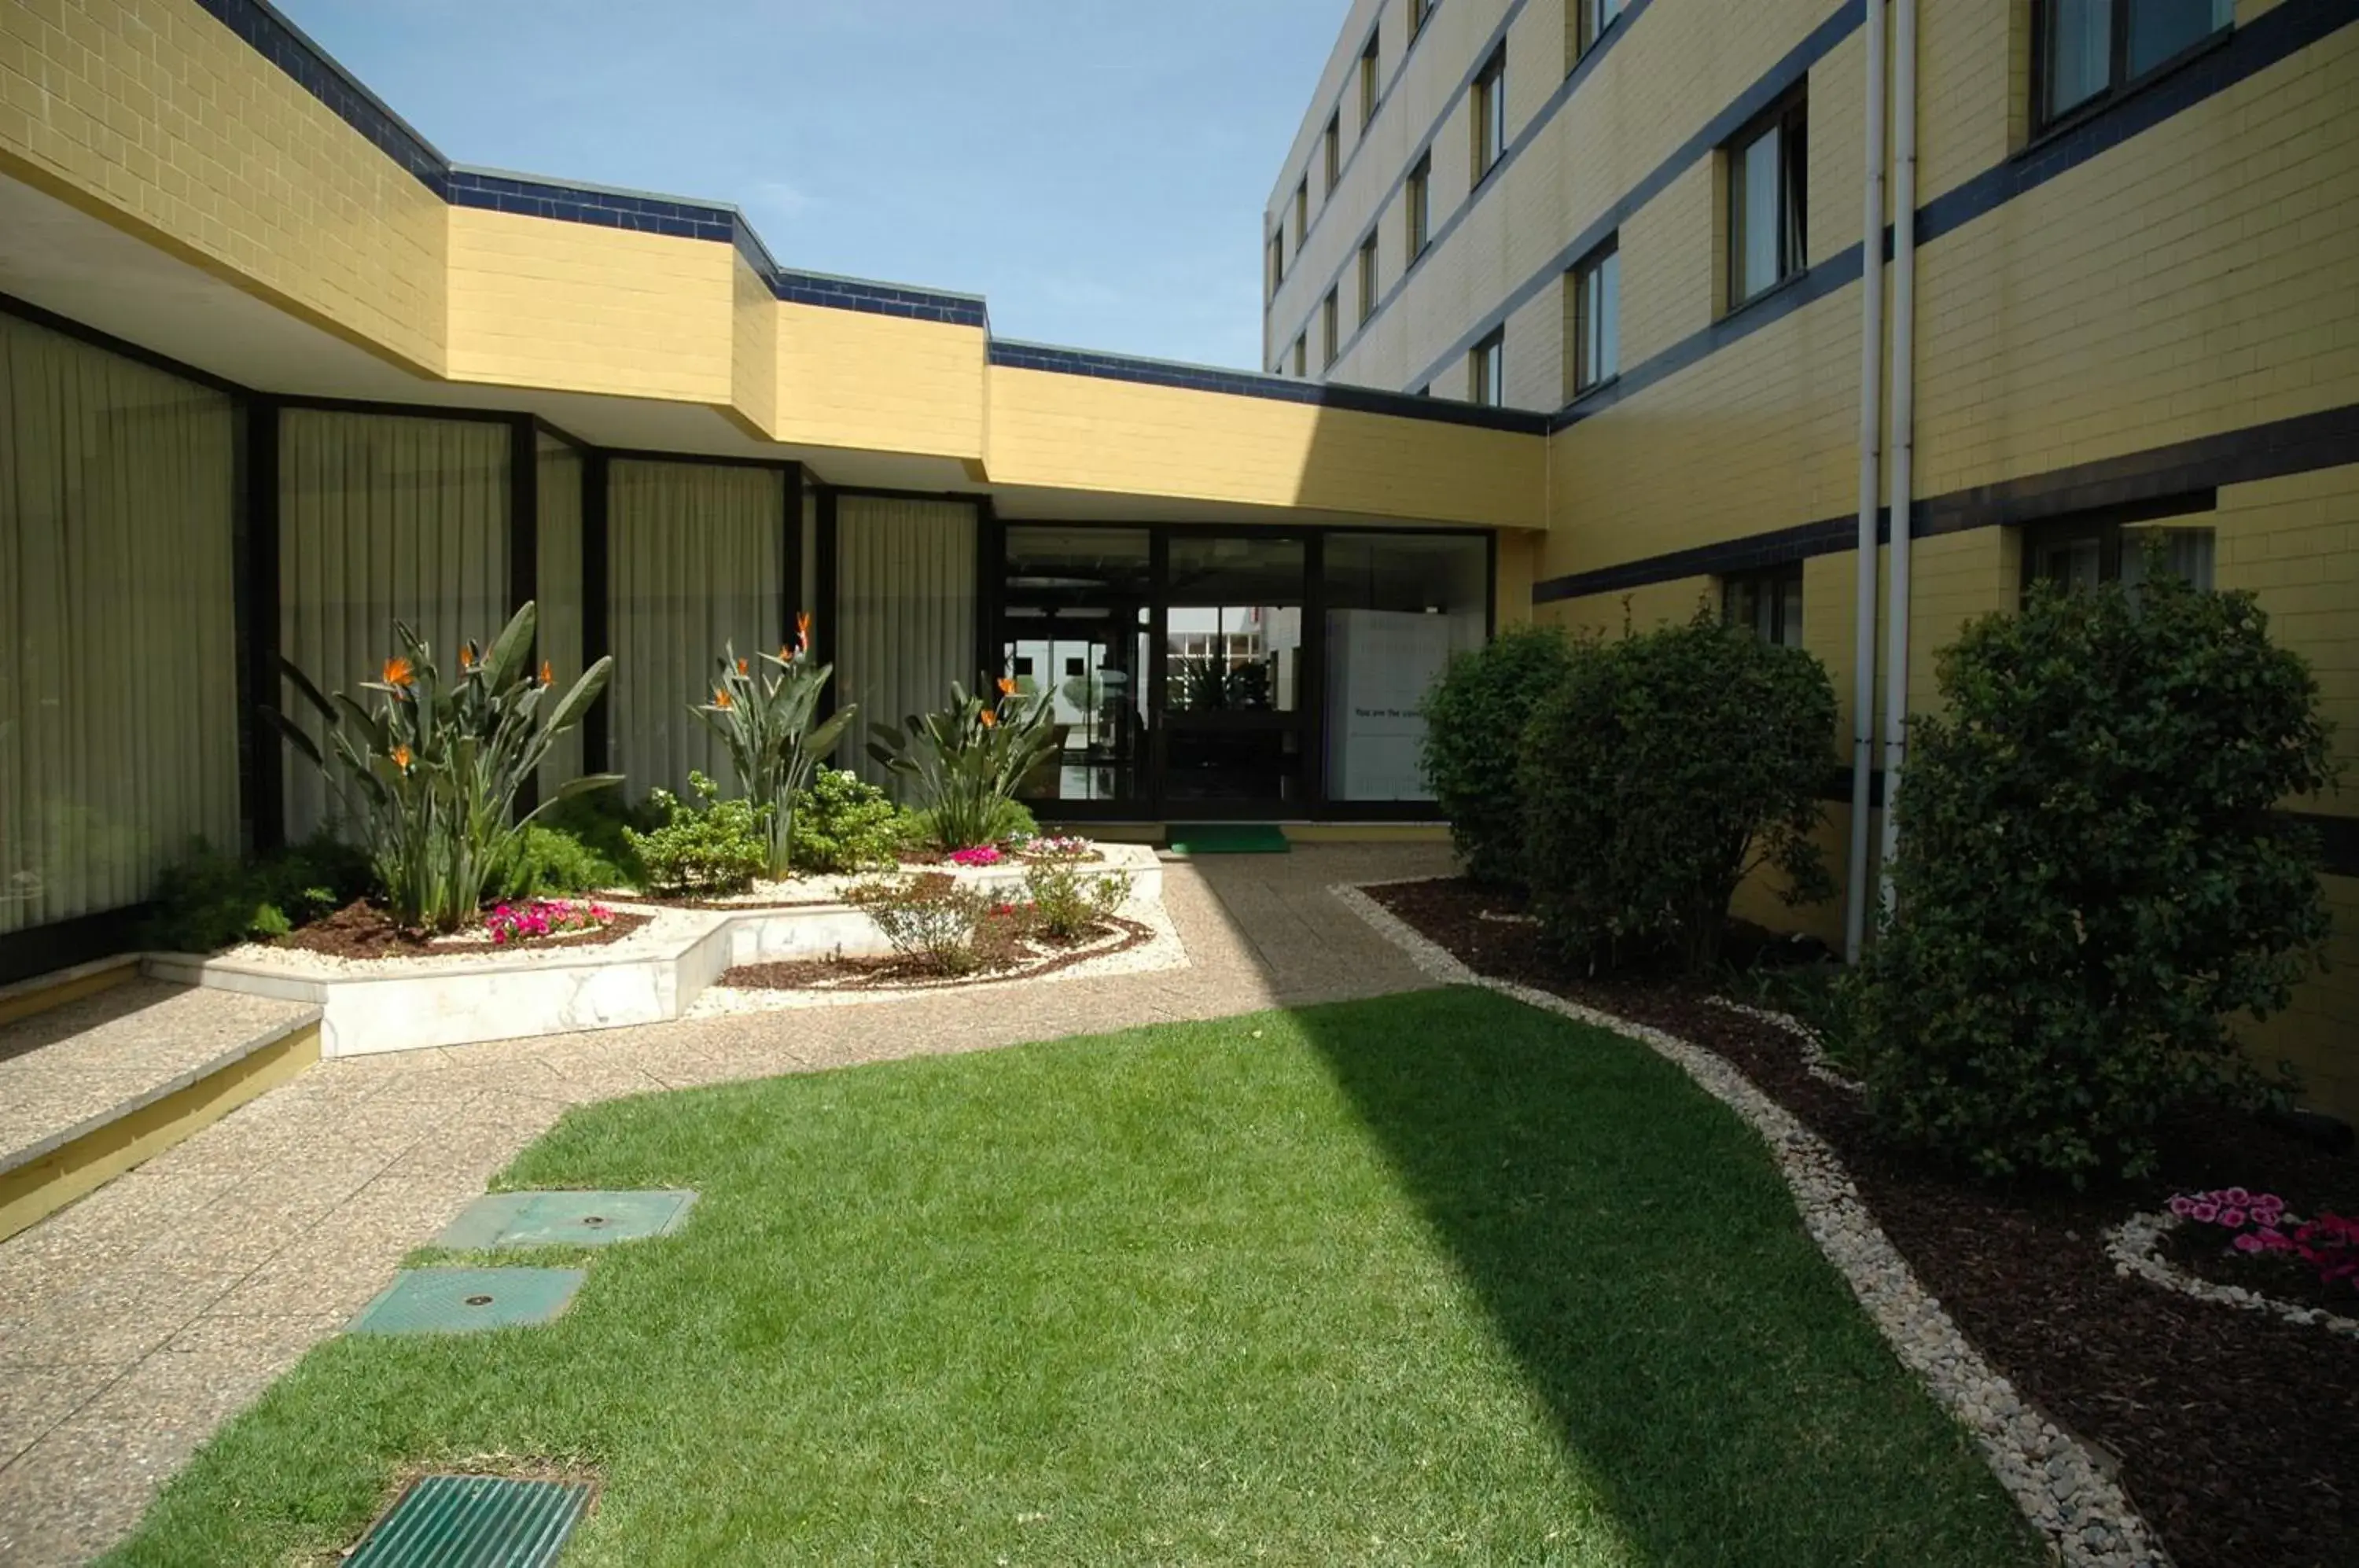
(459, 1301)
(564, 1219)
(474, 1522)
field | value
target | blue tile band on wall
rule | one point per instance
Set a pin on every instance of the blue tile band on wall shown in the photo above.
(284, 45)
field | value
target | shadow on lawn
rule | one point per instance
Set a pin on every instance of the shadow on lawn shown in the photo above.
(1643, 1263)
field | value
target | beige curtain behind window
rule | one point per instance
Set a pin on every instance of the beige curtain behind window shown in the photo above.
(696, 564)
(905, 596)
(384, 518)
(119, 655)
(557, 566)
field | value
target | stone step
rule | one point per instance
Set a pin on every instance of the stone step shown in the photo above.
(105, 1078)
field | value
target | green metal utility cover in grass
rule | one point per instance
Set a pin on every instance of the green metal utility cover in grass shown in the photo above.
(461, 1301)
(1228, 838)
(564, 1219)
(474, 1522)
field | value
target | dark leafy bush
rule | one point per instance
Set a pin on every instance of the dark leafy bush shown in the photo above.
(1068, 897)
(1474, 718)
(720, 849)
(551, 860)
(843, 823)
(932, 919)
(2089, 882)
(1659, 772)
(1010, 821)
(213, 900)
(602, 823)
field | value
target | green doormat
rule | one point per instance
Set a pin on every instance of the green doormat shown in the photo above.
(461, 1301)
(564, 1219)
(1227, 838)
(474, 1522)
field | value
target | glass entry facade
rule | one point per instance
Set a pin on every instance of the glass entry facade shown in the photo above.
(1201, 673)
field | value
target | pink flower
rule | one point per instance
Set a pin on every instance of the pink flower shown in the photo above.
(2233, 1218)
(2249, 1242)
(2204, 1211)
(2236, 1195)
(2182, 1205)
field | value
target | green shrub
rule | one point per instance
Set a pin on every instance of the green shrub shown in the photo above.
(2089, 880)
(932, 917)
(843, 823)
(602, 823)
(547, 860)
(213, 900)
(968, 759)
(1660, 772)
(1010, 821)
(430, 773)
(1068, 898)
(721, 849)
(1474, 717)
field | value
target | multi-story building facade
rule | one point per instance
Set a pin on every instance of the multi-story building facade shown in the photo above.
(2135, 306)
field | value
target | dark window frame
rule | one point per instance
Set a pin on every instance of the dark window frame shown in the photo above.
(1486, 120)
(1371, 74)
(1420, 12)
(1584, 329)
(1770, 581)
(1301, 214)
(1417, 206)
(1370, 290)
(1789, 117)
(1277, 260)
(1301, 355)
(1332, 152)
(1591, 26)
(1486, 362)
(2119, 82)
(2189, 513)
(1331, 328)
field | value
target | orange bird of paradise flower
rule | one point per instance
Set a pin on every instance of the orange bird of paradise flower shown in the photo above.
(802, 630)
(721, 698)
(1007, 687)
(466, 656)
(990, 720)
(397, 671)
(401, 755)
(743, 667)
(548, 673)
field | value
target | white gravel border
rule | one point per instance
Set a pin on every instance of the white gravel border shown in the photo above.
(2059, 1484)
(2136, 1247)
(1161, 950)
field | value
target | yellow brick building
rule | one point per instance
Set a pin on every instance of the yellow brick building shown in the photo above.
(1565, 314)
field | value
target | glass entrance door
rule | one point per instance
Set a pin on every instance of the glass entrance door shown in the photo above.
(1230, 676)
(1075, 624)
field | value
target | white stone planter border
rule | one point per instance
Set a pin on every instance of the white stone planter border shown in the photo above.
(653, 975)
(2136, 1247)
(2057, 1484)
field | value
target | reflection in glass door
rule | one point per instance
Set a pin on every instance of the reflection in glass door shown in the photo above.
(1232, 674)
(1075, 624)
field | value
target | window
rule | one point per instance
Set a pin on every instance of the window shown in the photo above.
(1418, 196)
(1302, 215)
(1765, 204)
(2086, 51)
(1486, 370)
(1590, 20)
(1368, 276)
(1331, 337)
(1332, 145)
(1277, 260)
(1490, 116)
(2080, 552)
(1370, 59)
(1301, 357)
(1767, 603)
(1594, 315)
(1420, 12)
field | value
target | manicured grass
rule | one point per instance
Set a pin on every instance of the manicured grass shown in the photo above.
(1430, 1278)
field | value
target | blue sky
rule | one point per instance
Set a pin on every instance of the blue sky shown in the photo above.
(1097, 168)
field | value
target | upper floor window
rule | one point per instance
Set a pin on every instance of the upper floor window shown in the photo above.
(1768, 604)
(1490, 114)
(1486, 370)
(1371, 59)
(1301, 214)
(1332, 145)
(1418, 197)
(1331, 333)
(2082, 552)
(1302, 356)
(1276, 267)
(2087, 51)
(1590, 20)
(1420, 12)
(1368, 276)
(1766, 191)
(1596, 347)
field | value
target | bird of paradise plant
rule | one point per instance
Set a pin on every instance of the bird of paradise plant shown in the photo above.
(430, 772)
(968, 758)
(767, 716)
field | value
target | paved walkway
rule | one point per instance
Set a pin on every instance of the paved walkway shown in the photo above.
(137, 1320)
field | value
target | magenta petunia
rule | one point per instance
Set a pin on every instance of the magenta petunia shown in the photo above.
(2233, 1218)
(2182, 1205)
(2248, 1242)
(2236, 1195)
(2204, 1211)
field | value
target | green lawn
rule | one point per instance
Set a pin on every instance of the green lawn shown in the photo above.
(1436, 1278)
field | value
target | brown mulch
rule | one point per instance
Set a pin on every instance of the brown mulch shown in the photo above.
(2237, 1434)
(1027, 959)
(361, 930)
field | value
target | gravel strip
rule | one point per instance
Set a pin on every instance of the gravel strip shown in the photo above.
(2057, 1484)
(2136, 1247)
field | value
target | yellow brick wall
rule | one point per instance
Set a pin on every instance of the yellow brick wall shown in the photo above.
(157, 118)
(852, 379)
(1080, 432)
(754, 349)
(579, 307)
